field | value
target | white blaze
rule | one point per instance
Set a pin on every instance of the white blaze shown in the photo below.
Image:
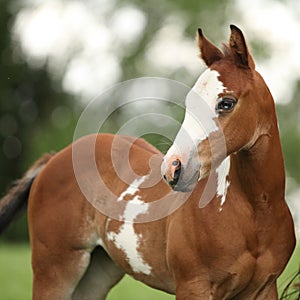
(208, 87)
(194, 127)
(126, 239)
(199, 120)
(223, 182)
(200, 111)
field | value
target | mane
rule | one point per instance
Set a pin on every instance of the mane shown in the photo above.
(231, 57)
(227, 52)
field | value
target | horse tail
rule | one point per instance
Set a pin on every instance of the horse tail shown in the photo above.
(16, 199)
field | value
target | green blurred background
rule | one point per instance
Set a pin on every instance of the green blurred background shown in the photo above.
(57, 55)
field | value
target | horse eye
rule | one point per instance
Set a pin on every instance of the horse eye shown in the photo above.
(225, 105)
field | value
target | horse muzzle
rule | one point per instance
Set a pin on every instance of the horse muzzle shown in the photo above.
(180, 176)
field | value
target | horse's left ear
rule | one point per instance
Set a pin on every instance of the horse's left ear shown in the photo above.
(239, 48)
(209, 52)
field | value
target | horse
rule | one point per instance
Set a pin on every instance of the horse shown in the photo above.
(231, 244)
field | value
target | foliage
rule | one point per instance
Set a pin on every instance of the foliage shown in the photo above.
(37, 116)
(289, 120)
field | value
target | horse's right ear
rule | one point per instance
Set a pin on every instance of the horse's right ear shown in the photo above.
(209, 52)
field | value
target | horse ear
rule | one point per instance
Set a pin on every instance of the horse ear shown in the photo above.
(239, 48)
(209, 52)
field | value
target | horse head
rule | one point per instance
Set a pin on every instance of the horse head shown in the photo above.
(227, 110)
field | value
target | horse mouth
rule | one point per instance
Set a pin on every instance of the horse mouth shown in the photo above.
(186, 186)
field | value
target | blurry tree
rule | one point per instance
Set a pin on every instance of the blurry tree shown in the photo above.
(195, 13)
(35, 114)
(289, 124)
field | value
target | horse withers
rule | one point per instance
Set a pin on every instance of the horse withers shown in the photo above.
(233, 245)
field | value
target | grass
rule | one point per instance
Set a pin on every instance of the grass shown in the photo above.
(15, 272)
(16, 277)
(291, 269)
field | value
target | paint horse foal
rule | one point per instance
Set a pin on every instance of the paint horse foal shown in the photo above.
(233, 248)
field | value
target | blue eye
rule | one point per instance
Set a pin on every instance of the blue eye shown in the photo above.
(225, 105)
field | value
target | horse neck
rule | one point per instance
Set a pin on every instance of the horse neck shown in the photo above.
(260, 169)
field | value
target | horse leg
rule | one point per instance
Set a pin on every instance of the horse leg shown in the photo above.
(56, 271)
(268, 293)
(273, 293)
(102, 274)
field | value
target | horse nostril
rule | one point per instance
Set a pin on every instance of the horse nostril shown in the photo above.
(176, 163)
(176, 174)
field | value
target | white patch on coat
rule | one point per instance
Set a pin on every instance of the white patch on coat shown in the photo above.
(222, 181)
(133, 188)
(126, 239)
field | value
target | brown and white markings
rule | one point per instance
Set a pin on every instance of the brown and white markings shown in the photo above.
(233, 248)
